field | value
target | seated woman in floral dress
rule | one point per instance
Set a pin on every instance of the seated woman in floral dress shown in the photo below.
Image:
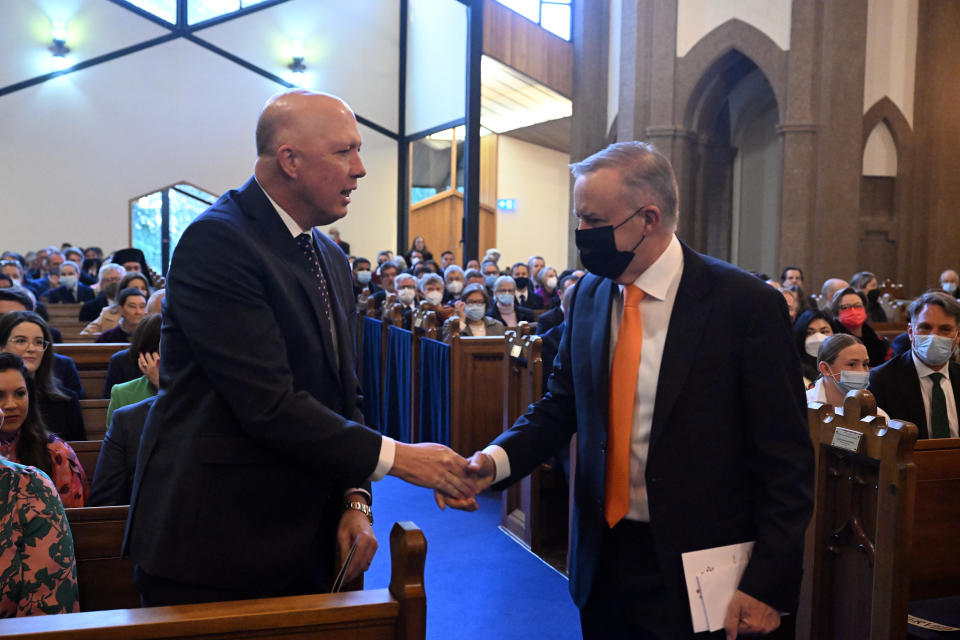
(24, 438)
(38, 573)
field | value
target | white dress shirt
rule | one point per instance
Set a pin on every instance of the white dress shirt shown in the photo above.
(926, 390)
(388, 448)
(660, 283)
(817, 393)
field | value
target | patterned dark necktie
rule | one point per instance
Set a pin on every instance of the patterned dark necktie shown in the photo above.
(305, 240)
(939, 425)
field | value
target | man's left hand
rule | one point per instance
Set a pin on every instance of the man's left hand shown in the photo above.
(747, 615)
(355, 526)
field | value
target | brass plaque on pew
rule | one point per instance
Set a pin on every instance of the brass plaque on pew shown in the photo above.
(846, 439)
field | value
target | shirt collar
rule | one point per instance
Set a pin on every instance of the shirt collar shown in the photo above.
(924, 371)
(291, 224)
(655, 281)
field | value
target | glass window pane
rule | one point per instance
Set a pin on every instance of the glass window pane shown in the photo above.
(164, 9)
(200, 10)
(527, 8)
(556, 18)
(430, 166)
(183, 209)
(206, 196)
(146, 223)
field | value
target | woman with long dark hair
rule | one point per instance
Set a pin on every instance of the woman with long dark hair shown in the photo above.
(27, 336)
(24, 438)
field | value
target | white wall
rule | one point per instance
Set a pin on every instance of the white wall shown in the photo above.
(76, 149)
(436, 63)
(880, 153)
(891, 54)
(697, 18)
(539, 179)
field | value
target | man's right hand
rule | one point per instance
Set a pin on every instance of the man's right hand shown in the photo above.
(434, 466)
(482, 470)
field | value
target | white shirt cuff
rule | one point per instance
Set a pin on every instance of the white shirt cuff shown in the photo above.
(500, 460)
(388, 450)
(359, 490)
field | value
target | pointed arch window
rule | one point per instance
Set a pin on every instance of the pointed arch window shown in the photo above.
(158, 219)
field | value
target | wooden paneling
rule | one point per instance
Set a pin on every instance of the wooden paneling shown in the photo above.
(439, 220)
(527, 47)
(488, 171)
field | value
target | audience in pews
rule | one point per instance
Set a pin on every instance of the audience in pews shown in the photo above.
(471, 317)
(490, 272)
(26, 335)
(447, 258)
(554, 317)
(866, 284)
(132, 306)
(24, 437)
(922, 386)
(791, 276)
(505, 309)
(39, 573)
(133, 261)
(418, 249)
(949, 281)
(110, 316)
(474, 276)
(108, 286)
(361, 275)
(849, 310)
(145, 351)
(387, 274)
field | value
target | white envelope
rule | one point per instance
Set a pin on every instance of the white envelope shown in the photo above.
(712, 577)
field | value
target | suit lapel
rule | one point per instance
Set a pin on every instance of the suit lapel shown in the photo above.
(254, 202)
(913, 395)
(687, 326)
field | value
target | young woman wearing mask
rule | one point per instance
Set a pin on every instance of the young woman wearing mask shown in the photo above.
(809, 331)
(844, 367)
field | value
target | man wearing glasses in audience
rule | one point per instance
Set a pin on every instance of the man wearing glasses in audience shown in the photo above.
(923, 384)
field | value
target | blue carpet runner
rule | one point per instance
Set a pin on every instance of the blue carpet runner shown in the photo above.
(480, 583)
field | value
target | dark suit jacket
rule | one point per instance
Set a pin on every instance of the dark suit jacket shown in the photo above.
(64, 295)
(730, 458)
(533, 301)
(896, 387)
(121, 369)
(63, 417)
(523, 314)
(548, 320)
(118, 455)
(65, 371)
(92, 308)
(258, 420)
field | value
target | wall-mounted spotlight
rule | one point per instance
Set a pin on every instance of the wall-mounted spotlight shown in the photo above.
(297, 65)
(59, 47)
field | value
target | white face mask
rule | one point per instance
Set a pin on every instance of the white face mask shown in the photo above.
(934, 350)
(68, 281)
(363, 276)
(812, 344)
(434, 297)
(505, 299)
(406, 295)
(455, 286)
(551, 283)
(852, 380)
(475, 311)
(949, 287)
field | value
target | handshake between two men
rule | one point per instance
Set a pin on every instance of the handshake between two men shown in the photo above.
(455, 480)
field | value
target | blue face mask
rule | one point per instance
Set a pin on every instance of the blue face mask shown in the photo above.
(490, 280)
(852, 380)
(363, 276)
(933, 350)
(505, 299)
(475, 311)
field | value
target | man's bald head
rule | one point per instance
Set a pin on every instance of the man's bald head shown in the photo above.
(283, 114)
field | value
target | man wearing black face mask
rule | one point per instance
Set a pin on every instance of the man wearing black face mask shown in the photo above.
(525, 295)
(667, 369)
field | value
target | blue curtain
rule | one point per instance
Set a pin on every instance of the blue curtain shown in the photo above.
(396, 385)
(434, 391)
(370, 348)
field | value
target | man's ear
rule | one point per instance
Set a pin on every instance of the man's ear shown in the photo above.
(287, 160)
(652, 216)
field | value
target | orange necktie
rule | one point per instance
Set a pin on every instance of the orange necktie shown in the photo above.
(623, 389)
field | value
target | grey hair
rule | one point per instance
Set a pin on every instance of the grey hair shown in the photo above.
(427, 278)
(70, 263)
(452, 269)
(937, 298)
(404, 277)
(643, 167)
(110, 266)
(503, 279)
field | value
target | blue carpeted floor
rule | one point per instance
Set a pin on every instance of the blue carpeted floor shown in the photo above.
(480, 583)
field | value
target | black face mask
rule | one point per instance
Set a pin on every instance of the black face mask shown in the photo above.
(522, 283)
(598, 250)
(873, 295)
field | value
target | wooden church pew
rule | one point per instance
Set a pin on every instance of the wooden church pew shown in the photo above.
(88, 452)
(92, 361)
(395, 613)
(94, 418)
(104, 577)
(934, 558)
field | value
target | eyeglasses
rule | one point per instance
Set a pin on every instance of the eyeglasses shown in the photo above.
(22, 344)
(847, 307)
